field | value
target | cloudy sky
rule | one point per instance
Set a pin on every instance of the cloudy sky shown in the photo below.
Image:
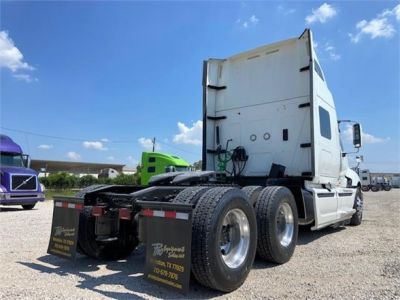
(96, 82)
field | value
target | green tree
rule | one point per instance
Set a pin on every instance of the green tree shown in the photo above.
(125, 179)
(87, 180)
(44, 181)
(105, 180)
(61, 181)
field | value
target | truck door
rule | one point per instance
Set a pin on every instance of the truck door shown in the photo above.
(327, 149)
(328, 163)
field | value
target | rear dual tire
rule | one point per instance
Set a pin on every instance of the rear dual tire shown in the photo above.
(252, 192)
(277, 224)
(223, 239)
(227, 231)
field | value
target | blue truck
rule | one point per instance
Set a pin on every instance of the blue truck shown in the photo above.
(19, 185)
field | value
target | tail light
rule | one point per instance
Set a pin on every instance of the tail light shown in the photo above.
(98, 211)
(125, 214)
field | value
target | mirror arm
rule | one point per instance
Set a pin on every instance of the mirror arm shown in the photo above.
(345, 153)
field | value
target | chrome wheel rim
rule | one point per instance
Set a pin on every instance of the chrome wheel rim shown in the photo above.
(234, 238)
(285, 224)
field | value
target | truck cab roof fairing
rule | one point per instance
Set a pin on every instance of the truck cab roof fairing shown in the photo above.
(8, 145)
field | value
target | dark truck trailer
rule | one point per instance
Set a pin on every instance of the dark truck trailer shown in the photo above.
(272, 161)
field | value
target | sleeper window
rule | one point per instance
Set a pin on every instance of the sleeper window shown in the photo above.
(325, 123)
(318, 69)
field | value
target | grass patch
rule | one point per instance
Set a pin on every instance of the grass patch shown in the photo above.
(49, 194)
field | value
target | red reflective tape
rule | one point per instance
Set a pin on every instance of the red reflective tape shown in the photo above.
(79, 206)
(170, 214)
(147, 212)
(65, 204)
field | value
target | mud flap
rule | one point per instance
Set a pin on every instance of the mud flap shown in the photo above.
(168, 236)
(65, 227)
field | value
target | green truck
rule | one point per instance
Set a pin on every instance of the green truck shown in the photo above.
(154, 163)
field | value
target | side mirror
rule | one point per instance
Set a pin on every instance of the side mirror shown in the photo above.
(26, 160)
(357, 135)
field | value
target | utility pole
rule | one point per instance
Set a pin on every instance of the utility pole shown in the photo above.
(154, 143)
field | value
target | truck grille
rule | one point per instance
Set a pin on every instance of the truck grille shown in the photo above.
(23, 183)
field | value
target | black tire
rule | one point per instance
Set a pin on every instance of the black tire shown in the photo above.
(374, 188)
(358, 206)
(268, 207)
(28, 206)
(365, 188)
(191, 194)
(81, 193)
(387, 188)
(252, 192)
(208, 265)
(126, 243)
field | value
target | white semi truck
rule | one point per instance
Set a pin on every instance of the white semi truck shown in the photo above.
(375, 184)
(272, 160)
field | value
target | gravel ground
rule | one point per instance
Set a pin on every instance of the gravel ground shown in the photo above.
(347, 262)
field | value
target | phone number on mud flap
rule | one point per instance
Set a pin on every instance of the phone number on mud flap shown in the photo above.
(165, 273)
(62, 244)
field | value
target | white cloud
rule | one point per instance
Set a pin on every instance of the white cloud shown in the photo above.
(378, 27)
(73, 155)
(45, 147)
(250, 22)
(366, 137)
(189, 135)
(25, 77)
(285, 11)
(396, 11)
(253, 19)
(147, 144)
(332, 52)
(96, 145)
(321, 14)
(10, 56)
(370, 139)
(112, 158)
(105, 140)
(393, 12)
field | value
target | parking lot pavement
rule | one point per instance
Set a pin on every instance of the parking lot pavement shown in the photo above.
(346, 262)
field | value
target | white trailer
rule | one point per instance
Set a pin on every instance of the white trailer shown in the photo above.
(272, 160)
(365, 179)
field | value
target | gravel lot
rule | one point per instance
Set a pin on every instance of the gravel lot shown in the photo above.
(346, 262)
